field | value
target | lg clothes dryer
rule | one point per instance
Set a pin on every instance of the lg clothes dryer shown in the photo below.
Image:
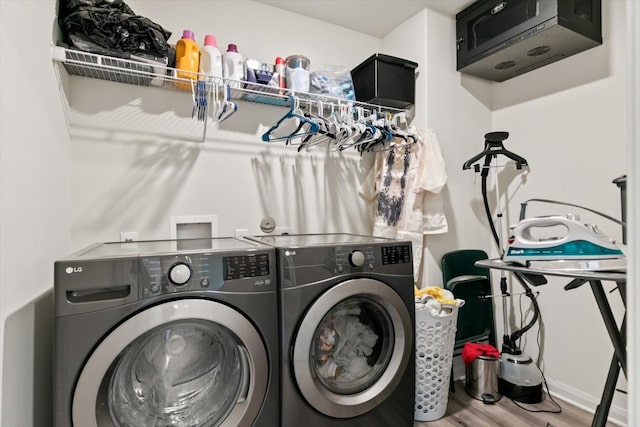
(347, 330)
(167, 333)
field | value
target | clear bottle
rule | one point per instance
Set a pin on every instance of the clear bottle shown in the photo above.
(187, 59)
(297, 73)
(210, 58)
(233, 65)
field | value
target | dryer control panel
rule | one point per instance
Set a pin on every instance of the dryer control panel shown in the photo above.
(250, 272)
(304, 265)
(365, 257)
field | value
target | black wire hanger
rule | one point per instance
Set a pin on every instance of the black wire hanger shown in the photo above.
(492, 148)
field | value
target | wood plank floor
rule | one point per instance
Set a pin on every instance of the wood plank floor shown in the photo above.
(463, 410)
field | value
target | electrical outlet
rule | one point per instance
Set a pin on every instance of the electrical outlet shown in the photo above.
(239, 232)
(128, 236)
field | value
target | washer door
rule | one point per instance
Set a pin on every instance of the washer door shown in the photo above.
(352, 348)
(188, 362)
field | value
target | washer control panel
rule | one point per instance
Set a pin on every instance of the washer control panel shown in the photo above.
(360, 258)
(396, 254)
(239, 267)
(237, 272)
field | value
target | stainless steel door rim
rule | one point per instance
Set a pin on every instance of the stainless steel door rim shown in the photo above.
(245, 410)
(351, 405)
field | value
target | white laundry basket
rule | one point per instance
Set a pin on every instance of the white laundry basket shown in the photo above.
(435, 338)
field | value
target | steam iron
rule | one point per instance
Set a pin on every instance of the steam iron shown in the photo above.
(582, 246)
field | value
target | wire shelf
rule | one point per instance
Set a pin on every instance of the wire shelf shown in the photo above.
(142, 72)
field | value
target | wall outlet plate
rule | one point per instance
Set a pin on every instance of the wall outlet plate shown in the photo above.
(240, 232)
(128, 236)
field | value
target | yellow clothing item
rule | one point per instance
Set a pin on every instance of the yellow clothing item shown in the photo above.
(435, 291)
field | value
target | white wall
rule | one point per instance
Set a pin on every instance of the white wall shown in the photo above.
(461, 121)
(409, 41)
(34, 209)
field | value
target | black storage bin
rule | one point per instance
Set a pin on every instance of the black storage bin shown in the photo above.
(385, 80)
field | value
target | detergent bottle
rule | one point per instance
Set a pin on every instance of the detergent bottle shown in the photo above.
(233, 65)
(187, 59)
(210, 58)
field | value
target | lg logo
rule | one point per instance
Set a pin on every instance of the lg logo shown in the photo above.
(71, 270)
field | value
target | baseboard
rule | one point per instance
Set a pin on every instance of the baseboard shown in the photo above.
(617, 414)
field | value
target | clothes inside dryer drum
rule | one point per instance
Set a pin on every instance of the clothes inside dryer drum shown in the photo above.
(352, 346)
(186, 373)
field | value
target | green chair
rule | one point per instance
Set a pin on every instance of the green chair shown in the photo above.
(473, 285)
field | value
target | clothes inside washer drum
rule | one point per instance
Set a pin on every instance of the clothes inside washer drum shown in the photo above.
(187, 373)
(352, 346)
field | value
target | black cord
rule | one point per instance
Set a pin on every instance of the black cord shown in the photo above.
(485, 199)
(480, 400)
(523, 208)
(520, 345)
(522, 320)
(544, 380)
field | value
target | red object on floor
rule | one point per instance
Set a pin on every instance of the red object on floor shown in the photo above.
(472, 350)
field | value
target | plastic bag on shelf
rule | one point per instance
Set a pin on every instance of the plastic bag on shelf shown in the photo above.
(332, 80)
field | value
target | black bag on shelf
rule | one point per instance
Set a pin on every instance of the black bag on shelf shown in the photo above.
(110, 27)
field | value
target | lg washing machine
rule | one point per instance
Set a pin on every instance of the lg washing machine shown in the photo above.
(347, 330)
(167, 333)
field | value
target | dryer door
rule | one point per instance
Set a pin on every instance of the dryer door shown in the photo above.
(352, 347)
(187, 362)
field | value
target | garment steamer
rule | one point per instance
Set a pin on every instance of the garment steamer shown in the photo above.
(519, 378)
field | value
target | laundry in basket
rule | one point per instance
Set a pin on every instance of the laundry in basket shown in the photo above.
(436, 318)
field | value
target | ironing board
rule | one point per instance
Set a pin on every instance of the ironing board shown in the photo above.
(617, 336)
